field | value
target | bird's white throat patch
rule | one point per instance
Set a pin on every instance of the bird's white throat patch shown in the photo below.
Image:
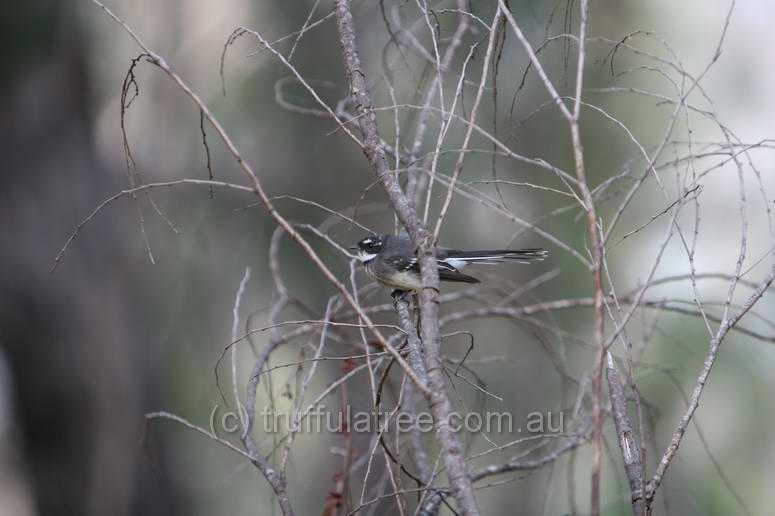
(365, 257)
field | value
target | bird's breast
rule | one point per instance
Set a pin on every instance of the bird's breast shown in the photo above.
(402, 280)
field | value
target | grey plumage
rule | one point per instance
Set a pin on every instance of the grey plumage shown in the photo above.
(391, 260)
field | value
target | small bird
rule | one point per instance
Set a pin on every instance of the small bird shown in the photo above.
(391, 260)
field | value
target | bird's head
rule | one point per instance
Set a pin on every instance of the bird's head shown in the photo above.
(368, 248)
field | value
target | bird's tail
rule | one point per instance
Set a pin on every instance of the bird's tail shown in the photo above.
(497, 255)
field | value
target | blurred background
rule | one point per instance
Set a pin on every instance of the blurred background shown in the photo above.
(87, 351)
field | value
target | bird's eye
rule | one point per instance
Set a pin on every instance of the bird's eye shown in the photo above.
(370, 244)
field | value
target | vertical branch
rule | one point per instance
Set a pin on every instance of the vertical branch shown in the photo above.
(413, 340)
(631, 454)
(437, 396)
(234, 336)
(596, 245)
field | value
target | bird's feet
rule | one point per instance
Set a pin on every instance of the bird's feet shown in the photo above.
(398, 296)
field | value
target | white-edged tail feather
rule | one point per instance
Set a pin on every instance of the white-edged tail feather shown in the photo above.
(459, 259)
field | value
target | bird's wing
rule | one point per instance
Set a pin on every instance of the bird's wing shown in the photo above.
(446, 275)
(447, 271)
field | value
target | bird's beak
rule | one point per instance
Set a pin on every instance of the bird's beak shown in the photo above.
(353, 248)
